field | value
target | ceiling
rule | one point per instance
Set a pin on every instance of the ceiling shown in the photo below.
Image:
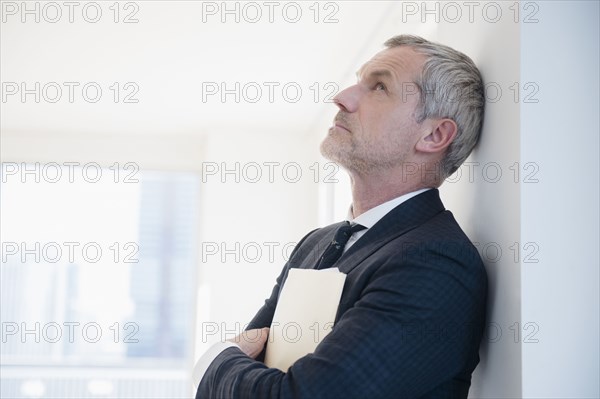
(171, 67)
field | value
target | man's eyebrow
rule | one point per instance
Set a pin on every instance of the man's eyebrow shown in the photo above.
(378, 73)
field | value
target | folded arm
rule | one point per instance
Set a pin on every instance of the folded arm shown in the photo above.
(413, 328)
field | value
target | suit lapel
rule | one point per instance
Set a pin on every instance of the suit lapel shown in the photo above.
(398, 221)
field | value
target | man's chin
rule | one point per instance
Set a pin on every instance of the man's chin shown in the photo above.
(334, 155)
(329, 150)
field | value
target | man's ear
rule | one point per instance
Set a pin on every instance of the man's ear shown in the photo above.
(440, 133)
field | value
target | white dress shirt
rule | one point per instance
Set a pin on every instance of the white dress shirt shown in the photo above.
(367, 219)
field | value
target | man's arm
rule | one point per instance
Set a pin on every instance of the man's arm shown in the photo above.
(416, 326)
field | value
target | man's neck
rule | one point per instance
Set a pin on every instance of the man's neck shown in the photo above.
(371, 191)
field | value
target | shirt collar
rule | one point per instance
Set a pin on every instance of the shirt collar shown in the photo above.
(373, 215)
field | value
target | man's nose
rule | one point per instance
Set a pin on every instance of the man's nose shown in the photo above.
(348, 99)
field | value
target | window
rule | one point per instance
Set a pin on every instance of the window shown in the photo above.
(98, 280)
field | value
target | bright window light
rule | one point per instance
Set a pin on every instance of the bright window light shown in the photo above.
(97, 272)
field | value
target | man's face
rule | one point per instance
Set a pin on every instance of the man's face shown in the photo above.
(375, 128)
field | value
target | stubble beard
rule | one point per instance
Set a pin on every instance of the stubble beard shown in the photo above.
(358, 156)
(340, 150)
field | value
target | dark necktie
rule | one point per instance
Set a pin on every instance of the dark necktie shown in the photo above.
(336, 248)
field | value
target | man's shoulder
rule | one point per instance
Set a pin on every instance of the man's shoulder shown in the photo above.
(443, 236)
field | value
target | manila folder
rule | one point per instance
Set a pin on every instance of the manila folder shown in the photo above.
(305, 313)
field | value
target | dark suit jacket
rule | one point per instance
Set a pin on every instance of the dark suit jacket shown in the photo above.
(409, 324)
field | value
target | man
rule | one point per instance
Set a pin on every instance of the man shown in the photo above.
(412, 311)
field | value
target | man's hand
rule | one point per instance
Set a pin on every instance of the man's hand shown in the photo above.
(252, 342)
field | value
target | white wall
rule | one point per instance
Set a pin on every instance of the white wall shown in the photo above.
(543, 299)
(560, 133)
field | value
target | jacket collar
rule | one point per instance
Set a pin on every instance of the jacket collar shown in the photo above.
(403, 218)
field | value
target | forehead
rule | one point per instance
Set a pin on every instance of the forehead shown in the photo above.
(401, 62)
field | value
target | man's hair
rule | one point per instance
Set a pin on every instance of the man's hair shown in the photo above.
(450, 86)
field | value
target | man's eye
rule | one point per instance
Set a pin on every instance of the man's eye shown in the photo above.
(379, 86)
